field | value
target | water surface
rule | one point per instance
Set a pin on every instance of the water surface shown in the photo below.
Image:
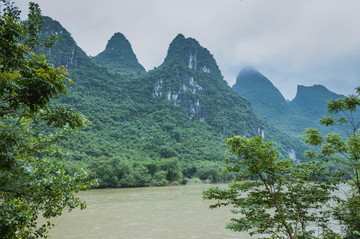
(146, 213)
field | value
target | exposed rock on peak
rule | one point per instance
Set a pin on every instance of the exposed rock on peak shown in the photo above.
(190, 78)
(118, 55)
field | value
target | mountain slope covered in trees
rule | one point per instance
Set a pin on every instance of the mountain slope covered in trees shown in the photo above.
(149, 128)
(165, 125)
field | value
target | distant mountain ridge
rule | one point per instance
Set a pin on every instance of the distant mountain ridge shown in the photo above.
(302, 112)
(312, 100)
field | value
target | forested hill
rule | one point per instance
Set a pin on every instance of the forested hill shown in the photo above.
(149, 128)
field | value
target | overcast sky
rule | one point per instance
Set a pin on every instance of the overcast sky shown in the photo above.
(292, 42)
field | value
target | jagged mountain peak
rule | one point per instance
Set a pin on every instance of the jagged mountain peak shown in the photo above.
(118, 41)
(65, 52)
(52, 26)
(190, 79)
(190, 53)
(179, 37)
(317, 88)
(118, 55)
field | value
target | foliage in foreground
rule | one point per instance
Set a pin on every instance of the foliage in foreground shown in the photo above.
(30, 183)
(273, 196)
(280, 198)
(344, 154)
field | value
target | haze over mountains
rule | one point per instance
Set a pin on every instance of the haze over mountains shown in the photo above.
(182, 110)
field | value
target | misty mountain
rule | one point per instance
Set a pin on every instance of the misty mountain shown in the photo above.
(265, 98)
(178, 113)
(304, 111)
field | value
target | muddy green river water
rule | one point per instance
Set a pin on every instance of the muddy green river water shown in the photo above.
(146, 213)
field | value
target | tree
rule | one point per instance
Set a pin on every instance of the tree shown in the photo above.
(345, 155)
(274, 197)
(31, 184)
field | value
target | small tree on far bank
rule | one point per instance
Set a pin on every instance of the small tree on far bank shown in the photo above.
(274, 197)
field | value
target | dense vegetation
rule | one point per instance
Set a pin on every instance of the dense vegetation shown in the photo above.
(179, 112)
(182, 109)
(161, 127)
(274, 197)
(30, 183)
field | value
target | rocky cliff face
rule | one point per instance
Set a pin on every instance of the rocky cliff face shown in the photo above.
(188, 51)
(190, 78)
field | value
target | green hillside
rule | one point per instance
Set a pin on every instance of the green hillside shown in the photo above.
(150, 128)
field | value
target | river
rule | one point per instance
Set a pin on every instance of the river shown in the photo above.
(146, 213)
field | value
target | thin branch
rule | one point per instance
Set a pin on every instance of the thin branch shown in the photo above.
(8, 99)
(348, 117)
(19, 119)
(5, 112)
